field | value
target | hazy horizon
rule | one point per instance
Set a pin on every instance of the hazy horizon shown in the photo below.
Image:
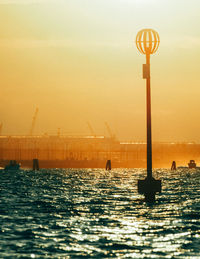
(77, 61)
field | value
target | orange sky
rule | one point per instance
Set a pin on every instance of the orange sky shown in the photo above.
(76, 60)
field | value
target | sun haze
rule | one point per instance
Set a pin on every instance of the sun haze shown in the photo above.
(77, 62)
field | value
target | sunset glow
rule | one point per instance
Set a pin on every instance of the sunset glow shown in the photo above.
(77, 61)
(99, 129)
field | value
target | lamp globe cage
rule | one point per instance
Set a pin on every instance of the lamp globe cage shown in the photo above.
(147, 41)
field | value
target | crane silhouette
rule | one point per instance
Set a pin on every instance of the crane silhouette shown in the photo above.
(33, 122)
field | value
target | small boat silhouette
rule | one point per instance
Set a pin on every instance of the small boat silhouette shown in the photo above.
(192, 164)
(13, 165)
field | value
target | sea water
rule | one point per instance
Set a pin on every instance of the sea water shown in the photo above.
(93, 213)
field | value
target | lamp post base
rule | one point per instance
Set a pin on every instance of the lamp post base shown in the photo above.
(149, 187)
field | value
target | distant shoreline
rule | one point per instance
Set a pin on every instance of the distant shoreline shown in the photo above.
(81, 164)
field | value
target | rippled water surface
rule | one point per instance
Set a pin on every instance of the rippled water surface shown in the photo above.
(77, 213)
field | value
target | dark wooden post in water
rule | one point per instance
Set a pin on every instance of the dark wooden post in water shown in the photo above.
(36, 164)
(173, 167)
(147, 42)
(108, 165)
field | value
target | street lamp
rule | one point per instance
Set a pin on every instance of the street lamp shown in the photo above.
(147, 42)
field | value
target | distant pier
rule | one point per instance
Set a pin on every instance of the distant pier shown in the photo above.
(92, 152)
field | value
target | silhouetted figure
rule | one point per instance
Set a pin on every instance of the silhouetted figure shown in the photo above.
(173, 167)
(36, 165)
(108, 165)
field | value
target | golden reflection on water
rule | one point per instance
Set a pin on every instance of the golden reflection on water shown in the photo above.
(100, 214)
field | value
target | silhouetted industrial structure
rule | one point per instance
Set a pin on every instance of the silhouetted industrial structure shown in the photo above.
(89, 151)
(33, 122)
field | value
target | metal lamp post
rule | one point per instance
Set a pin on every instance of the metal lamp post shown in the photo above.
(147, 42)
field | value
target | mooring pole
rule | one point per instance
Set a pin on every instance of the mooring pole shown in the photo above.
(147, 42)
(149, 140)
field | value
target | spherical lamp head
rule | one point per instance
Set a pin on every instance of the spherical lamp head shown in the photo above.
(147, 41)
